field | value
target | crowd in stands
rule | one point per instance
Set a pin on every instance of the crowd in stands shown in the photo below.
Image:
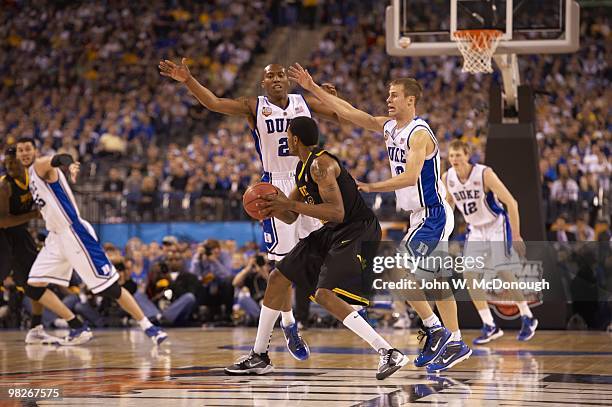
(91, 88)
(81, 77)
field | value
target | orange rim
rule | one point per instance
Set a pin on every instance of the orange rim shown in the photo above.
(479, 38)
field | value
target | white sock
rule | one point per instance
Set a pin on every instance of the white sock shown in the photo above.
(431, 321)
(145, 324)
(524, 309)
(287, 317)
(486, 316)
(456, 336)
(357, 324)
(267, 319)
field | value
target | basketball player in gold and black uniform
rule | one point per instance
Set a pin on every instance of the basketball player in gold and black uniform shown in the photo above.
(18, 249)
(328, 262)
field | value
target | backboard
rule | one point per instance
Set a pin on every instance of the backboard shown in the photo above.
(528, 26)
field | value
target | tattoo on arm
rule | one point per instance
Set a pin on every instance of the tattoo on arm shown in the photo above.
(318, 171)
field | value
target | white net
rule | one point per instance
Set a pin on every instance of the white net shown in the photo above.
(477, 48)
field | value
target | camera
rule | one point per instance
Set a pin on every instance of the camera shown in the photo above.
(208, 250)
(259, 260)
(119, 266)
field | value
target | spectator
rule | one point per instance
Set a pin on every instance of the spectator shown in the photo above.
(564, 192)
(560, 230)
(149, 199)
(216, 290)
(171, 291)
(254, 278)
(113, 190)
(583, 232)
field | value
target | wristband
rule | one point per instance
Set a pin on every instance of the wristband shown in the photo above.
(60, 160)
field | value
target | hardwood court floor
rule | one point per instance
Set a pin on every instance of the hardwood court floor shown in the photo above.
(121, 367)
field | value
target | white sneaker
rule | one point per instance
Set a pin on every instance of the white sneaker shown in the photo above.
(38, 336)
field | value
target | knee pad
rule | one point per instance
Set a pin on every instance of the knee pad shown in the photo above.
(34, 292)
(113, 292)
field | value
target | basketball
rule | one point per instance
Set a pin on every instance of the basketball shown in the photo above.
(405, 42)
(250, 198)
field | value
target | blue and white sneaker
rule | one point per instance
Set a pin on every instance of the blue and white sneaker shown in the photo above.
(455, 352)
(528, 328)
(156, 334)
(38, 336)
(488, 333)
(437, 338)
(295, 343)
(77, 336)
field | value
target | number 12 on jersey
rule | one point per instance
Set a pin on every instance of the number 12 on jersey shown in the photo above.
(469, 208)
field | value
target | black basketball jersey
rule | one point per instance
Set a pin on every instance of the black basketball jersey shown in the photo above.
(355, 208)
(21, 198)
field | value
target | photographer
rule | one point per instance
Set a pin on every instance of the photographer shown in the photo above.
(216, 290)
(254, 277)
(171, 291)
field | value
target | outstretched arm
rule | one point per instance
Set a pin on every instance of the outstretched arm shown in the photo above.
(414, 163)
(341, 107)
(493, 183)
(6, 219)
(180, 73)
(45, 167)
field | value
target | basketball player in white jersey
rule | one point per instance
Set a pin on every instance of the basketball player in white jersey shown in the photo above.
(493, 232)
(415, 168)
(72, 243)
(268, 117)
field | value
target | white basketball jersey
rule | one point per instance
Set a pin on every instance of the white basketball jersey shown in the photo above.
(478, 208)
(270, 133)
(429, 190)
(55, 201)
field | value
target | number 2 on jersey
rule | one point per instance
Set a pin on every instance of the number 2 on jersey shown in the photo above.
(283, 147)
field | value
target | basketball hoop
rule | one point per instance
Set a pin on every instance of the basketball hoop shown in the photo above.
(477, 48)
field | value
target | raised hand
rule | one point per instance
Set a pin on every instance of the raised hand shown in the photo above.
(74, 169)
(177, 72)
(301, 76)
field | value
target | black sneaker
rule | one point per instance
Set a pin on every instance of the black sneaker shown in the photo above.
(391, 361)
(253, 363)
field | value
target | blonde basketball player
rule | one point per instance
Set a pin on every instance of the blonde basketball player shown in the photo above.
(415, 168)
(494, 232)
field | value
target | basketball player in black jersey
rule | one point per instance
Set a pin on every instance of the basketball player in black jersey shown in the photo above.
(18, 250)
(328, 262)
